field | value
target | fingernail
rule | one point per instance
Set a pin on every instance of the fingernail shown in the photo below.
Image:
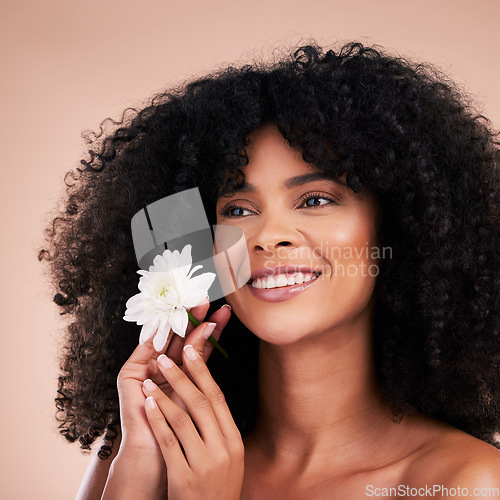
(226, 305)
(151, 402)
(190, 352)
(209, 330)
(165, 362)
(149, 385)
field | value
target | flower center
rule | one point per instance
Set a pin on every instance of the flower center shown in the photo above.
(163, 292)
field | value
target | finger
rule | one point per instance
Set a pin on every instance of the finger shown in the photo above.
(174, 350)
(145, 352)
(174, 344)
(197, 403)
(163, 350)
(198, 337)
(166, 438)
(221, 318)
(140, 365)
(179, 421)
(199, 312)
(207, 385)
(142, 353)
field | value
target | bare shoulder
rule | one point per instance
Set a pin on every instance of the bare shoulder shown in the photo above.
(452, 458)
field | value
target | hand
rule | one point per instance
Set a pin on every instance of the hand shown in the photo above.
(138, 442)
(210, 463)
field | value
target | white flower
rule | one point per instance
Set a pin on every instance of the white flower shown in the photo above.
(167, 290)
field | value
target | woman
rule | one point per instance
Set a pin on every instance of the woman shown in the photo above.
(368, 182)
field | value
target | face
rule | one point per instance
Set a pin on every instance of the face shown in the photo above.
(311, 245)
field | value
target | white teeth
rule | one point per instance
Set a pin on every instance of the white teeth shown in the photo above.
(280, 280)
(271, 282)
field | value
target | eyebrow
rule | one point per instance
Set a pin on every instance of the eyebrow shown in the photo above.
(312, 176)
(296, 181)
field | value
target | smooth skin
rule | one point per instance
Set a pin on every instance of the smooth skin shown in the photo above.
(211, 466)
(137, 469)
(323, 430)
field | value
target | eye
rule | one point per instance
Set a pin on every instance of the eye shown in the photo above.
(234, 210)
(311, 200)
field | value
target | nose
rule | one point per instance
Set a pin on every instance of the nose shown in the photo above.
(271, 233)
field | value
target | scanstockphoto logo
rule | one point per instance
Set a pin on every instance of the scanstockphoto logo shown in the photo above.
(335, 260)
(431, 490)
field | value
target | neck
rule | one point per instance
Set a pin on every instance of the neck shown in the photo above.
(320, 396)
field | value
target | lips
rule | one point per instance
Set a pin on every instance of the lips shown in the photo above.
(275, 284)
(281, 280)
(287, 270)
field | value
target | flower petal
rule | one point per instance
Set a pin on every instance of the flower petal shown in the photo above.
(193, 298)
(173, 260)
(185, 257)
(131, 316)
(148, 330)
(166, 290)
(145, 316)
(195, 268)
(160, 338)
(182, 262)
(179, 321)
(159, 264)
(165, 323)
(134, 300)
(203, 281)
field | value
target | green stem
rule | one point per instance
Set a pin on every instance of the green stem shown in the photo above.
(211, 339)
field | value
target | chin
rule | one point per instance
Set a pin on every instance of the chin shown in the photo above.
(278, 329)
(279, 323)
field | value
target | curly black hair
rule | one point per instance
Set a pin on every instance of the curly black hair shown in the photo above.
(399, 129)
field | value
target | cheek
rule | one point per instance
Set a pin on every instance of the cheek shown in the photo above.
(230, 257)
(355, 228)
(351, 259)
(349, 240)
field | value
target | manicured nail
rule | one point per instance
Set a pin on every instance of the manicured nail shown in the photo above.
(151, 402)
(190, 352)
(209, 330)
(149, 385)
(226, 305)
(165, 362)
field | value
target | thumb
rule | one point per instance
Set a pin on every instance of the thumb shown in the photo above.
(143, 353)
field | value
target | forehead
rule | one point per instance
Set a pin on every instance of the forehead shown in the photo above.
(269, 151)
(273, 162)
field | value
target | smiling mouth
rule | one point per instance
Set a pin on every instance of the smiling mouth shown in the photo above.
(284, 279)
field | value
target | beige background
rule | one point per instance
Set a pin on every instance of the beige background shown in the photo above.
(66, 65)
